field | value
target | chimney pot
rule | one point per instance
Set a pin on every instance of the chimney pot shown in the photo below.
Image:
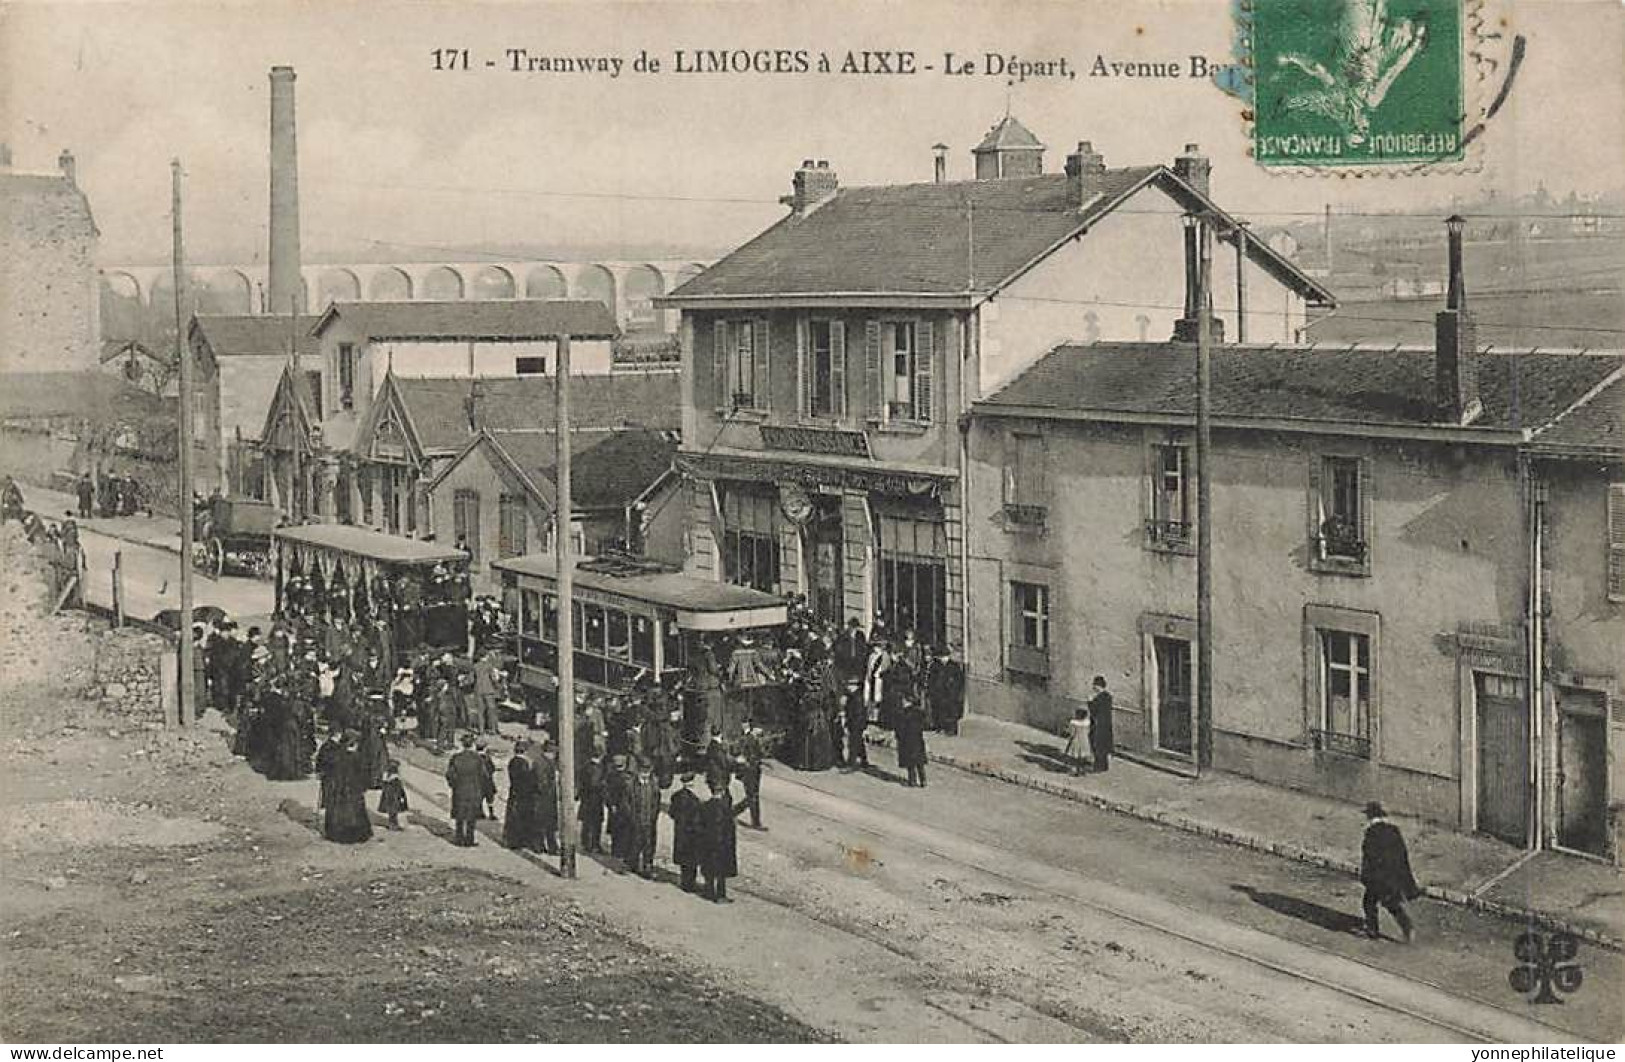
(1455, 334)
(1194, 168)
(69, 169)
(940, 161)
(812, 184)
(1085, 173)
(5, 156)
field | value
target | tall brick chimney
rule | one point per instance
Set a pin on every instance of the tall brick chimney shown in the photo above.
(1455, 339)
(1085, 175)
(813, 184)
(286, 292)
(69, 168)
(1194, 168)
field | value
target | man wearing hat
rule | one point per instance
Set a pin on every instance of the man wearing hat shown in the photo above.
(643, 799)
(687, 831)
(617, 803)
(465, 773)
(1385, 871)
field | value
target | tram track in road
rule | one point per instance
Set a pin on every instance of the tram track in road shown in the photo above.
(1464, 1018)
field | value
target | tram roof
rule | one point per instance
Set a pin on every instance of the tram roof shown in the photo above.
(675, 590)
(362, 542)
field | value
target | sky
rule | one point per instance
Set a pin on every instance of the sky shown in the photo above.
(401, 161)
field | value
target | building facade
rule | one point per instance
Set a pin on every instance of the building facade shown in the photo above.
(1372, 581)
(827, 363)
(50, 301)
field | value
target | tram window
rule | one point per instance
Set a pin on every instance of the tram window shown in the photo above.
(550, 618)
(671, 649)
(547, 656)
(530, 617)
(531, 652)
(643, 641)
(592, 629)
(620, 635)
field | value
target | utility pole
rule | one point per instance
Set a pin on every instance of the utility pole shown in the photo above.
(1204, 494)
(566, 617)
(187, 694)
(296, 438)
(1241, 282)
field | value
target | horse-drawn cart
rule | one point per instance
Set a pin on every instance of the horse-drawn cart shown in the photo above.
(234, 533)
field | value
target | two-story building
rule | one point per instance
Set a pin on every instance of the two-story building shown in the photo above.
(827, 362)
(239, 359)
(1375, 515)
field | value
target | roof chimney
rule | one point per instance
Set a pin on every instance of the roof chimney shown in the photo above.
(5, 156)
(286, 289)
(1194, 168)
(813, 184)
(65, 163)
(1085, 175)
(941, 152)
(1455, 334)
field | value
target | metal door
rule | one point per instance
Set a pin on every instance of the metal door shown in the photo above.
(1582, 772)
(1503, 757)
(1173, 661)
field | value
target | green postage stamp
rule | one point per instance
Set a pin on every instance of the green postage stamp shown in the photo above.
(1357, 82)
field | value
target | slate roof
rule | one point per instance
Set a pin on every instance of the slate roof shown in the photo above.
(474, 319)
(236, 335)
(610, 468)
(439, 413)
(1008, 135)
(1311, 384)
(913, 239)
(1594, 426)
(64, 200)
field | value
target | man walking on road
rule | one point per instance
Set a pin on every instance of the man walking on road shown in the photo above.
(466, 776)
(85, 490)
(1385, 871)
(688, 831)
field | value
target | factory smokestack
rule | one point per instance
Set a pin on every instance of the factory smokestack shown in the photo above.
(286, 291)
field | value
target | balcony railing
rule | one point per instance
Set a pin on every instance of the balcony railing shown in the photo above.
(1340, 540)
(1025, 515)
(1341, 744)
(1172, 533)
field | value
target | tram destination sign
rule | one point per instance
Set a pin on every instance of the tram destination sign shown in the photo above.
(816, 440)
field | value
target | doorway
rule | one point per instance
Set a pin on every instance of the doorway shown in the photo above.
(1172, 658)
(1582, 771)
(1503, 757)
(825, 543)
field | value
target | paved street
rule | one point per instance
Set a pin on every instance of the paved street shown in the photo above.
(152, 581)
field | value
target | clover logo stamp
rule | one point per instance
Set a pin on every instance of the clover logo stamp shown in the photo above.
(1546, 966)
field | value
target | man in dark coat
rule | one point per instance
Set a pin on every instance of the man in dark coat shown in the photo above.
(488, 784)
(752, 751)
(719, 859)
(590, 794)
(1100, 724)
(857, 720)
(520, 818)
(687, 831)
(85, 490)
(643, 800)
(1385, 871)
(465, 773)
(909, 731)
(547, 796)
(618, 807)
(945, 692)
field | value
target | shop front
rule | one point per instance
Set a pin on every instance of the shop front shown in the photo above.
(878, 545)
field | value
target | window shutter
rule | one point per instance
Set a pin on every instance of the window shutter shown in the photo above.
(759, 353)
(924, 361)
(874, 381)
(837, 366)
(1012, 472)
(1316, 466)
(1616, 541)
(1038, 476)
(1368, 516)
(804, 390)
(719, 351)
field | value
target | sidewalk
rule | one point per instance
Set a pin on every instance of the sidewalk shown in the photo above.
(1582, 896)
(156, 532)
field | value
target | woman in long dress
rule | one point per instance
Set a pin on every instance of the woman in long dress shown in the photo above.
(346, 821)
(1077, 740)
(520, 828)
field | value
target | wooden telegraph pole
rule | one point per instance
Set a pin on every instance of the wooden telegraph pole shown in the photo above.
(566, 613)
(1204, 493)
(187, 694)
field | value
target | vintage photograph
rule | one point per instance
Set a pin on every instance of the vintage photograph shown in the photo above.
(837, 522)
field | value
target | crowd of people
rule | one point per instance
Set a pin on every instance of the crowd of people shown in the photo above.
(111, 494)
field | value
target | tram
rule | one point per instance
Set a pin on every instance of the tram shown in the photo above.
(336, 571)
(633, 620)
